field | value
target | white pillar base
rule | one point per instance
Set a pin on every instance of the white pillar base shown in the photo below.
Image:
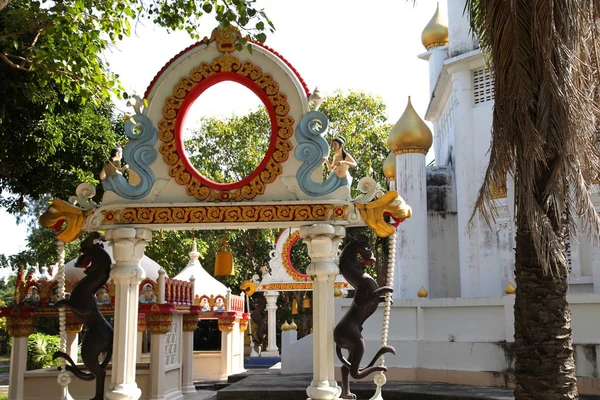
(266, 354)
(123, 391)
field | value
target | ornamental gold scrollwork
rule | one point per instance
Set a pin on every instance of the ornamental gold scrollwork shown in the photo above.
(159, 323)
(231, 214)
(18, 326)
(226, 322)
(287, 262)
(285, 125)
(190, 322)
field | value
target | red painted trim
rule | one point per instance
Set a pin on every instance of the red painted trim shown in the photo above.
(289, 258)
(200, 88)
(206, 42)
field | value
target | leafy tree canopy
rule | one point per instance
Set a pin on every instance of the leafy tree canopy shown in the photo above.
(59, 41)
(49, 146)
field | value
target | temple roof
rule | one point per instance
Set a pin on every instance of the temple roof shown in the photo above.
(204, 283)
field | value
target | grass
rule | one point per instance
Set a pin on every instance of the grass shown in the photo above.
(3, 396)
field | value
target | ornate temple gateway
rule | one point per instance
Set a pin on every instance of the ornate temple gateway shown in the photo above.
(165, 191)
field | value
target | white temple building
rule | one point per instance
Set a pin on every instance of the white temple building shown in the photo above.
(452, 318)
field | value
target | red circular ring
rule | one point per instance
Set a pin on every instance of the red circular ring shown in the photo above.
(200, 88)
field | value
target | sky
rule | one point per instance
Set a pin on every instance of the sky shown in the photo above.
(334, 45)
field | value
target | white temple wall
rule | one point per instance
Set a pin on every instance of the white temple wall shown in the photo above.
(444, 272)
(443, 132)
(459, 340)
(459, 35)
(207, 365)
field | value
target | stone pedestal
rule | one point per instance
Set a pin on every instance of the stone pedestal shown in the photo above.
(128, 250)
(190, 321)
(271, 350)
(19, 329)
(323, 241)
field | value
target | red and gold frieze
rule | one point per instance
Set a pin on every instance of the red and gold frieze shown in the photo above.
(287, 260)
(244, 322)
(73, 325)
(159, 323)
(227, 321)
(141, 325)
(298, 286)
(218, 214)
(20, 326)
(190, 322)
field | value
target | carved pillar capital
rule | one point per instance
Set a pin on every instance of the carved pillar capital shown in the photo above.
(323, 241)
(128, 250)
(244, 322)
(190, 322)
(19, 326)
(73, 325)
(227, 322)
(159, 323)
(141, 325)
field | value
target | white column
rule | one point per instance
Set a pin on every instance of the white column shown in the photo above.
(323, 241)
(18, 366)
(595, 260)
(73, 344)
(469, 173)
(272, 350)
(128, 250)
(412, 258)
(190, 321)
(226, 326)
(158, 325)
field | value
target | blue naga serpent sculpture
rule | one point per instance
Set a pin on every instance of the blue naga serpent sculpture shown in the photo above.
(140, 153)
(311, 149)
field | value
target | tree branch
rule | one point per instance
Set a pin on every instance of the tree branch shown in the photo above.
(4, 3)
(10, 63)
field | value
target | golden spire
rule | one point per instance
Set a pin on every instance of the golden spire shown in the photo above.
(389, 166)
(410, 134)
(435, 33)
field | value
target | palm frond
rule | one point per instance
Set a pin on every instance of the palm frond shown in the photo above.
(546, 66)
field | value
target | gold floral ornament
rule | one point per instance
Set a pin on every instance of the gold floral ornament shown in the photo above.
(391, 205)
(65, 219)
(226, 67)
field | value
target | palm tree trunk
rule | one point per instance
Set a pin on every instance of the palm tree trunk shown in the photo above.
(544, 363)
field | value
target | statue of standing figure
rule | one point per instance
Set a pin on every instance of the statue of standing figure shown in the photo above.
(113, 166)
(341, 161)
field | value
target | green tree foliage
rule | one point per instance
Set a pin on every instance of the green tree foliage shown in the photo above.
(40, 348)
(59, 41)
(228, 150)
(48, 146)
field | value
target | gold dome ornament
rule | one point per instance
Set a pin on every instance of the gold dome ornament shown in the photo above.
(410, 134)
(293, 326)
(285, 326)
(435, 33)
(337, 292)
(389, 167)
(224, 259)
(510, 288)
(422, 292)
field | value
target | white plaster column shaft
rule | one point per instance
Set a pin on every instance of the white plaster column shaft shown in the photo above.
(480, 270)
(190, 322)
(73, 345)
(18, 366)
(157, 366)
(436, 58)
(128, 250)
(272, 350)
(595, 260)
(323, 241)
(412, 252)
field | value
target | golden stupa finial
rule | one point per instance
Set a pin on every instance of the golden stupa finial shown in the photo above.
(435, 33)
(422, 292)
(389, 167)
(510, 288)
(410, 134)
